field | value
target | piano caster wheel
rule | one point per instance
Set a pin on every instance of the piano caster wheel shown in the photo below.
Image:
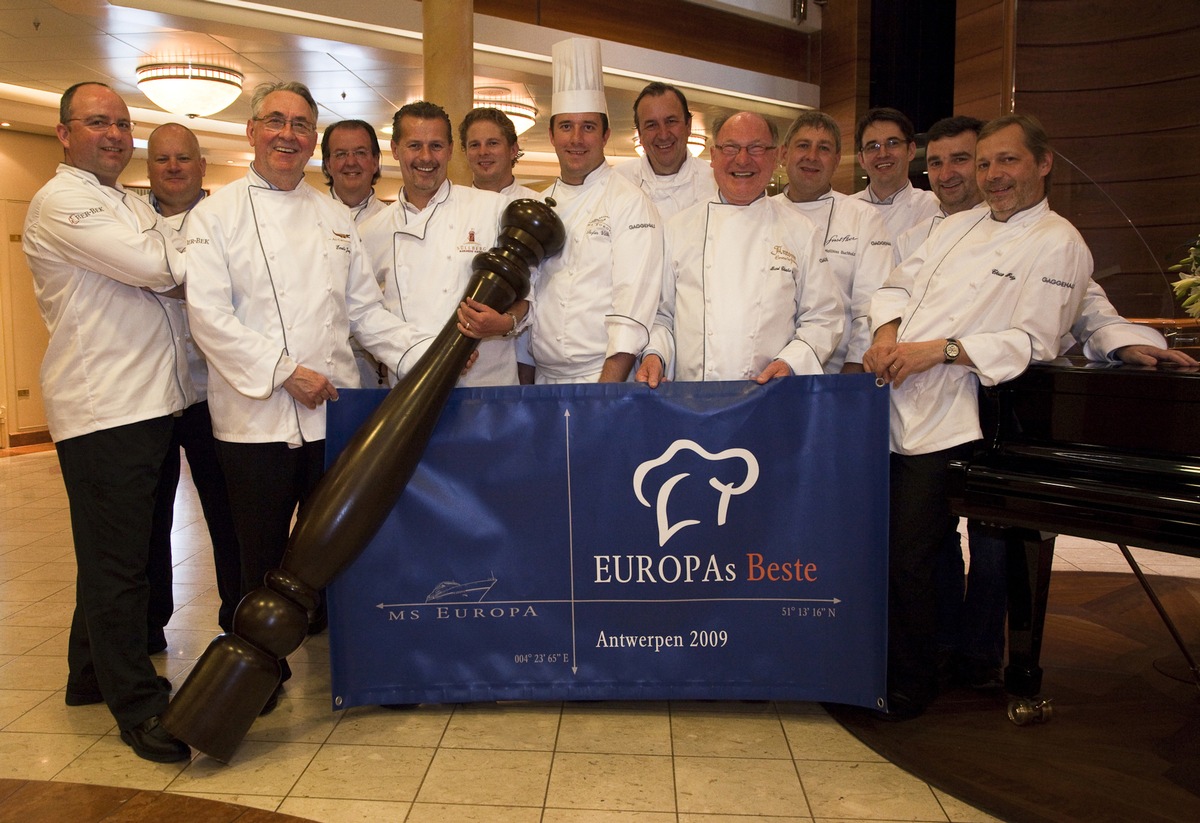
(1023, 711)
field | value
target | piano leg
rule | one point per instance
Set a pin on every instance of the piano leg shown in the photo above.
(1030, 554)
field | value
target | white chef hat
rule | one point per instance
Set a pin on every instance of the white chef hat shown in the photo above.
(578, 77)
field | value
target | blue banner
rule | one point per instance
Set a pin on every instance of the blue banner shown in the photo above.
(698, 541)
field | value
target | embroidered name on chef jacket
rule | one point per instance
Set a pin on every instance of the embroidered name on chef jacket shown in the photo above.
(599, 227)
(783, 259)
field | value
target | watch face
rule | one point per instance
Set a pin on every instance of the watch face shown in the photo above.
(951, 351)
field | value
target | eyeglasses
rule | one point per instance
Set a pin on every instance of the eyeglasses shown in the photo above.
(341, 154)
(733, 149)
(103, 124)
(300, 126)
(875, 147)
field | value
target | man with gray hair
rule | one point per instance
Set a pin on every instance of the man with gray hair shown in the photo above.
(277, 283)
(855, 239)
(746, 293)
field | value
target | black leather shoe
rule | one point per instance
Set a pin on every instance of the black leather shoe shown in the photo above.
(150, 741)
(90, 697)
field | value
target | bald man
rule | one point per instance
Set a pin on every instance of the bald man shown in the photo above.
(176, 169)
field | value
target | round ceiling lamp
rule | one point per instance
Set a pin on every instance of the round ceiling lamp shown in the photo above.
(522, 114)
(189, 89)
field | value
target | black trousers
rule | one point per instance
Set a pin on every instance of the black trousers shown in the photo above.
(112, 479)
(919, 523)
(193, 434)
(267, 481)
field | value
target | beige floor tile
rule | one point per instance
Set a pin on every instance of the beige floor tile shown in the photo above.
(487, 777)
(112, 763)
(723, 706)
(961, 812)
(617, 782)
(820, 737)
(54, 646)
(61, 572)
(527, 727)
(372, 725)
(324, 810)
(635, 731)
(867, 791)
(34, 673)
(742, 818)
(296, 720)
(256, 768)
(27, 756)
(14, 703)
(365, 772)
(55, 615)
(31, 591)
(727, 785)
(23, 639)
(54, 716)
(703, 734)
(601, 816)
(308, 680)
(11, 569)
(186, 644)
(447, 812)
(266, 802)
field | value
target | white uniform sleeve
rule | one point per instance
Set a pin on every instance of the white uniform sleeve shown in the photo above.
(637, 262)
(1102, 331)
(662, 334)
(890, 299)
(874, 261)
(82, 228)
(820, 313)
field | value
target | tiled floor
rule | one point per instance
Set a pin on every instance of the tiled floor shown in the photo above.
(554, 763)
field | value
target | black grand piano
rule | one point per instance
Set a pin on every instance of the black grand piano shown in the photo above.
(1102, 451)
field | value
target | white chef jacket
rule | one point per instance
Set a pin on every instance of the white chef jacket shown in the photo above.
(113, 357)
(365, 210)
(742, 286)
(859, 251)
(1098, 327)
(278, 279)
(424, 257)
(195, 389)
(515, 191)
(1006, 291)
(368, 366)
(904, 209)
(671, 193)
(598, 297)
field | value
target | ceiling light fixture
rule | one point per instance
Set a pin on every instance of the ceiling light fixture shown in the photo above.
(189, 89)
(522, 114)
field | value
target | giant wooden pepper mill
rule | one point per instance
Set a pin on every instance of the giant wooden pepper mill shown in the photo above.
(237, 673)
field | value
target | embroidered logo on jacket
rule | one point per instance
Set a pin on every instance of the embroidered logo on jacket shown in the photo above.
(470, 247)
(598, 227)
(80, 216)
(1005, 274)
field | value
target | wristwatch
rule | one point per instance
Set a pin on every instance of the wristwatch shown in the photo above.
(951, 351)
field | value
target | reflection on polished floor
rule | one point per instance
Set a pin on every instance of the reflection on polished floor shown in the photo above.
(677, 762)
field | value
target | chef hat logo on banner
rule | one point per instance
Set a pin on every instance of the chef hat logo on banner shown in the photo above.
(578, 77)
(742, 461)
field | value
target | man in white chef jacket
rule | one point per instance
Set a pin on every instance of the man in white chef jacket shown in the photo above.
(488, 138)
(990, 292)
(747, 294)
(595, 302)
(350, 162)
(856, 241)
(971, 621)
(175, 168)
(422, 246)
(113, 376)
(277, 282)
(886, 146)
(668, 173)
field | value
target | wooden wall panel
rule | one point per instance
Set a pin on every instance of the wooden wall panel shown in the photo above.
(1111, 82)
(672, 26)
(981, 52)
(845, 76)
